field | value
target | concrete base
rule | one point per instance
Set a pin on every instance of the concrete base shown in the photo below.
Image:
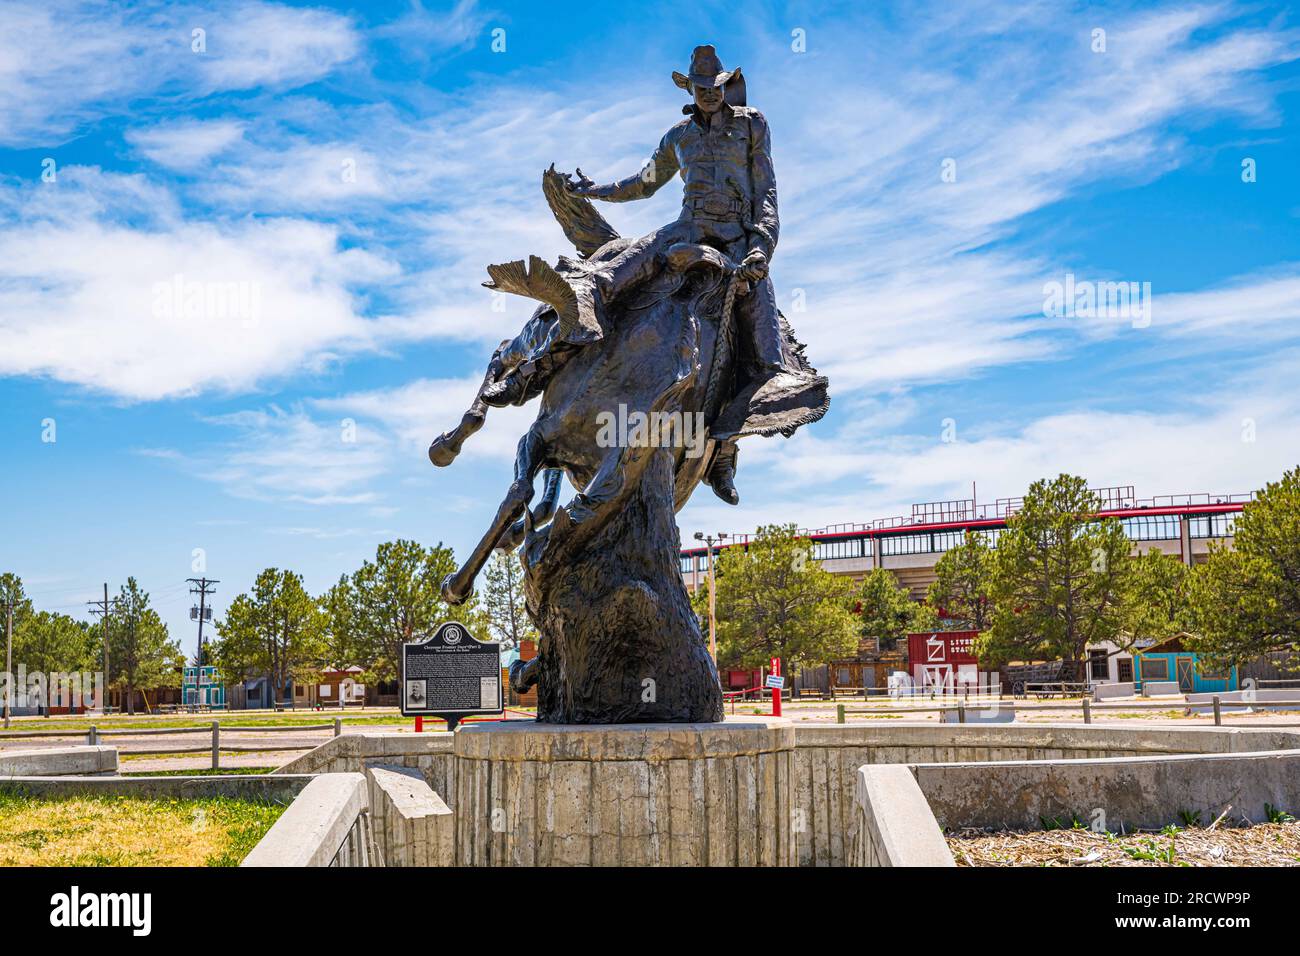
(1113, 691)
(532, 794)
(58, 761)
(412, 824)
(895, 826)
(1161, 688)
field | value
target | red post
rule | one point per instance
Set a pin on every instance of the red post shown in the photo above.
(419, 725)
(776, 691)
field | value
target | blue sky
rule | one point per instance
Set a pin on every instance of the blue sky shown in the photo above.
(353, 169)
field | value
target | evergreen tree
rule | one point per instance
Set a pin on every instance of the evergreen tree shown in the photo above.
(1058, 577)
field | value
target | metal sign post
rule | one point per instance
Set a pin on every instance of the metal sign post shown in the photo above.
(777, 683)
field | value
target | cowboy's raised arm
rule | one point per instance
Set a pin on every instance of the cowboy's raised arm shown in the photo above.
(767, 223)
(660, 168)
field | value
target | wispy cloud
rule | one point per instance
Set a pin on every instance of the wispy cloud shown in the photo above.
(64, 63)
(287, 455)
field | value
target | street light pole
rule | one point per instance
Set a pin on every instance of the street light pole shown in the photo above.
(9, 655)
(713, 617)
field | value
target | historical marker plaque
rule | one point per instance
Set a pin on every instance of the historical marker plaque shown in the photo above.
(452, 674)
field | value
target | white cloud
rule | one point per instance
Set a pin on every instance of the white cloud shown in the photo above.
(187, 144)
(172, 307)
(412, 415)
(1249, 309)
(286, 455)
(422, 33)
(261, 44)
(64, 63)
(1229, 438)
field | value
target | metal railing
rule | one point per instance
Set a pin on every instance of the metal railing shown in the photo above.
(1117, 499)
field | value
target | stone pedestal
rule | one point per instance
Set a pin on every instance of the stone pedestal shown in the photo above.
(531, 794)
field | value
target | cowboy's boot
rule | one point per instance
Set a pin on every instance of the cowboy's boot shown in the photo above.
(722, 474)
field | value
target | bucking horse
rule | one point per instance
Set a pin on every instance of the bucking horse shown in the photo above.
(619, 640)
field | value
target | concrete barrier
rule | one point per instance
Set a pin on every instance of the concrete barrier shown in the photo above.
(429, 753)
(1161, 688)
(1114, 691)
(327, 825)
(980, 714)
(827, 758)
(58, 761)
(412, 824)
(1131, 792)
(895, 826)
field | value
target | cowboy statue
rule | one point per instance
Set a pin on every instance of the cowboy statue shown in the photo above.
(682, 322)
(723, 153)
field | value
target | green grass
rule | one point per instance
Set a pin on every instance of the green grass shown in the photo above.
(93, 830)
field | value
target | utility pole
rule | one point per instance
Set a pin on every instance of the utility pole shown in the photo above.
(101, 608)
(202, 589)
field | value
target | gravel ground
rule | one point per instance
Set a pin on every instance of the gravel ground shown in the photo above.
(1264, 844)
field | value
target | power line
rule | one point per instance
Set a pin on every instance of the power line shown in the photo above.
(101, 608)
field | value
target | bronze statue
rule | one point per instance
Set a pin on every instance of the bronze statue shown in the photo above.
(678, 327)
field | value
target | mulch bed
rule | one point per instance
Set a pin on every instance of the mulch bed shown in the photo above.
(1263, 844)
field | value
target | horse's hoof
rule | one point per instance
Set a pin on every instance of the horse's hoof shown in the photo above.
(440, 451)
(523, 676)
(450, 593)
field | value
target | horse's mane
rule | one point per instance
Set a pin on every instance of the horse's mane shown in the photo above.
(582, 224)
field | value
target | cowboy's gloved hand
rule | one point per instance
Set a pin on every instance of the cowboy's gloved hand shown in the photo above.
(584, 185)
(755, 265)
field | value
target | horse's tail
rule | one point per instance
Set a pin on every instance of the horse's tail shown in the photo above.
(586, 228)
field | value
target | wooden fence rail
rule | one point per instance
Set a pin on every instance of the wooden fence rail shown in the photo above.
(1086, 705)
(93, 735)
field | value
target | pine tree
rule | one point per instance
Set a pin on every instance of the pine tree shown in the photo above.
(774, 600)
(1245, 600)
(503, 601)
(1058, 577)
(963, 582)
(141, 652)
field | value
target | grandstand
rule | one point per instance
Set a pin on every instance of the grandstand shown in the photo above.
(911, 545)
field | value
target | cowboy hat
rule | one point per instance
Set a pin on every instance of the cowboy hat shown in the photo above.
(706, 70)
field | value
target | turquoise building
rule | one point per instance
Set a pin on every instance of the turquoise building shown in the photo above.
(1170, 660)
(201, 687)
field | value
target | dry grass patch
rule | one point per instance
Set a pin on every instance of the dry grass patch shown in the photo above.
(130, 831)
